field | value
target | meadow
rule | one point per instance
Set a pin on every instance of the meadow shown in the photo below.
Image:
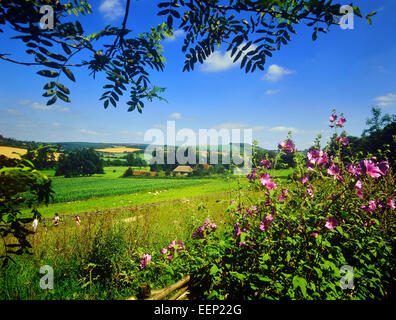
(109, 190)
(112, 240)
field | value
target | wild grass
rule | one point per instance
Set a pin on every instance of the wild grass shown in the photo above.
(100, 258)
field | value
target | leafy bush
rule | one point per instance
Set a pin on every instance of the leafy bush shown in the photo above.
(128, 173)
(108, 254)
(328, 234)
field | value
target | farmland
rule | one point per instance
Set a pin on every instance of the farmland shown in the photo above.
(11, 152)
(105, 191)
(118, 150)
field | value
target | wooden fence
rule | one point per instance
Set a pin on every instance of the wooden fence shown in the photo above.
(177, 291)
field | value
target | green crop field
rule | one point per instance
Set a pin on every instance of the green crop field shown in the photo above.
(73, 189)
(108, 190)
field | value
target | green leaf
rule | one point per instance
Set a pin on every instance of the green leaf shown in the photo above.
(66, 48)
(237, 275)
(69, 74)
(301, 283)
(63, 88)
(214, 270)
(49, 85)
(51, 101)
(63, 97)
(49, 93)
(48, 73)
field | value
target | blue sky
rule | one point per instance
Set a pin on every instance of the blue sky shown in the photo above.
(349, 70)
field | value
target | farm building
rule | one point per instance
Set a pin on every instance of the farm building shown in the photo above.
(179, 170)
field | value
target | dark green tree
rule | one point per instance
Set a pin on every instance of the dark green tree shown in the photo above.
(377, 121)
(84, 162)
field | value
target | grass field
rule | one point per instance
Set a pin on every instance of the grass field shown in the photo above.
(106, 191)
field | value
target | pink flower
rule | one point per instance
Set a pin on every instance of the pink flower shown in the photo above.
(304, 179)
(282, 197)
(354, 170)
(264, 225)
(251, 210)
(264, 178)
(170, 257)
(163, 250)
(287, 146)
(270, 185)
(310, 191)
(317, 157)
(172, 244)
(383, 167)
(340, 123)
(331, 223)
(315, 233)
(359, 193)
(265, 163)
(333, 117)
(370, 168)
(146, 258)
(340, 178)
(333, 170)
(251, 176)
(372, 205)
(369, 223)
(237, 230)
(343, 140)
(242, 244)
(181, 246)
(359, 184)
(391, 203)
(212, 226)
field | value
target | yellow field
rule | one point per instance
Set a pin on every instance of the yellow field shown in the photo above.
(118, 150)
(8, 152)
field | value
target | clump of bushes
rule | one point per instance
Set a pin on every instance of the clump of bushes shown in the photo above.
(328, 234)
(128, 173)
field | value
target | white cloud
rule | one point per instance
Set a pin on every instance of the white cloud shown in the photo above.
(276, 73)
(386, 101)
(26, 124)
(231, 125)
(175, 115)
(14, 112)
(56, 124)
(40, 106)
(23, 102)
(272, 91)
(92, 133)
(139, 133)
(176, 34)
(296, 131)
(218, 61)
(111, 9)
(284, 129)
